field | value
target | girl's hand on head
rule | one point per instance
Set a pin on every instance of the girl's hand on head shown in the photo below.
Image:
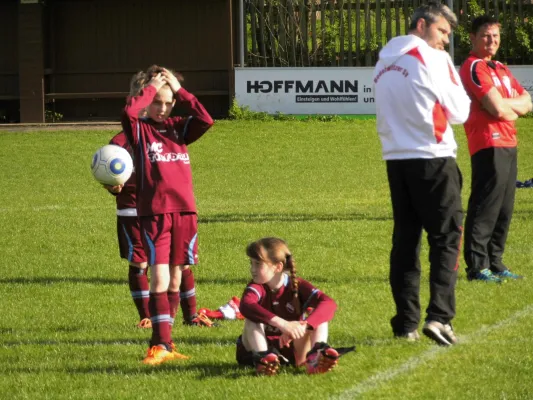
(157, 81)
(171, 79)
(114, 189)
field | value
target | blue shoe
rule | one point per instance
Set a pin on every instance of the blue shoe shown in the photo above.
(485, 275)
(507, 275)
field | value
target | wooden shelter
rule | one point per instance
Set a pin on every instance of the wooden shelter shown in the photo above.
(76, 57)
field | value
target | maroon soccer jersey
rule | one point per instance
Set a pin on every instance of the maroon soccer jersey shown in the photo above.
(161, 159)
(126, 198)
(260, 304)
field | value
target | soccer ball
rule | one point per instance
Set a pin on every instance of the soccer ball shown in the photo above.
(112, 165)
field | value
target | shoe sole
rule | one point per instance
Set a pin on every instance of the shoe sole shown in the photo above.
(435, 335)
(158, 361)
(179, 356)
(328, 361)
(269, 369)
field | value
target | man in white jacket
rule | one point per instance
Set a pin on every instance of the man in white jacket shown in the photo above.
(418, 95)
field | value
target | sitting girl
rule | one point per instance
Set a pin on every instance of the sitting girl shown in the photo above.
(277, 328)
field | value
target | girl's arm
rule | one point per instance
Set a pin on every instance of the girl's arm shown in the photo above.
(135, 104)
(324, 307)
(250, 307)
(130, 115)
(197, 123)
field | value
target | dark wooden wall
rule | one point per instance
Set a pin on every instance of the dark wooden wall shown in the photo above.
(9, 75)
(91, 48)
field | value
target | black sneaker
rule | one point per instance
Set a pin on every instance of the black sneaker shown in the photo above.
(485, 275)
(507, 275)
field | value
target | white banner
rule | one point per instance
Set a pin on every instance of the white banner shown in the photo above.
(306, 90)
(323, 91)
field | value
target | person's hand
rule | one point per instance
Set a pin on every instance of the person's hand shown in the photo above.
(294, 329)
(284, 341)
(171, 79)
(514, 93)
(114, 189)
(158, 81)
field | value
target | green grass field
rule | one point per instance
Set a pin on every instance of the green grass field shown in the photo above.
(67, 322)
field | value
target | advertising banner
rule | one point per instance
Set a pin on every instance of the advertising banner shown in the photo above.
(324, 90)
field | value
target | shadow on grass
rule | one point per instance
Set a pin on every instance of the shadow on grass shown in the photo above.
(227, 340)
(45, 281)
(343, 280)
(203, 370)
(289, 217)
(50, 280)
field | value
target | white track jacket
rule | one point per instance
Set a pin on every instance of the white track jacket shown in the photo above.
(418, 95)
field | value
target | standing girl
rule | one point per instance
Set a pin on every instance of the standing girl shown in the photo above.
(273, 305)
(165, 198)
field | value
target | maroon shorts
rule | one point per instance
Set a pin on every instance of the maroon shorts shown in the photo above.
(245, 357)
(171, 238)
(129, 239)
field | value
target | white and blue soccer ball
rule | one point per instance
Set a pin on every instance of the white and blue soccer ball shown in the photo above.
(112, 165)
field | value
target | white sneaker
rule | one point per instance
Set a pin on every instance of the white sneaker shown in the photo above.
(441, 333)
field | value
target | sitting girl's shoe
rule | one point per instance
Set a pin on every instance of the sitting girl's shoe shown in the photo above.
(267, 364)
(321, 359)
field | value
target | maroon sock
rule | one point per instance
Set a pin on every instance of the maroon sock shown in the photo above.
(140, 290)
(160, 316)
(187, 294)
(173, 302)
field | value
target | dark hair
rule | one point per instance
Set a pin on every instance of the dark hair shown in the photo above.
(153, 70)
(481, 21)
(275, 250)
(430, 12)
(137, 83)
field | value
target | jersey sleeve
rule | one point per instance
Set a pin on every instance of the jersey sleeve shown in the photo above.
(198, 120)
(477, 79)
(450, 90)
(130, 115)
(250, 306)
(324, 307)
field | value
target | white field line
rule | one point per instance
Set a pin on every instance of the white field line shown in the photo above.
(379, 379)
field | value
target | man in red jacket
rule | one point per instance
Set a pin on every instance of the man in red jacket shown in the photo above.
(497, 101)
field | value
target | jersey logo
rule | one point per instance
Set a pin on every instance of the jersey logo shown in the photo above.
(290, 308)
(155, 154)
(496, 135)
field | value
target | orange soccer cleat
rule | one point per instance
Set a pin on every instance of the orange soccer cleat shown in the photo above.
(200, 319)
(145, 323)
(176, 354)
(157, 355)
